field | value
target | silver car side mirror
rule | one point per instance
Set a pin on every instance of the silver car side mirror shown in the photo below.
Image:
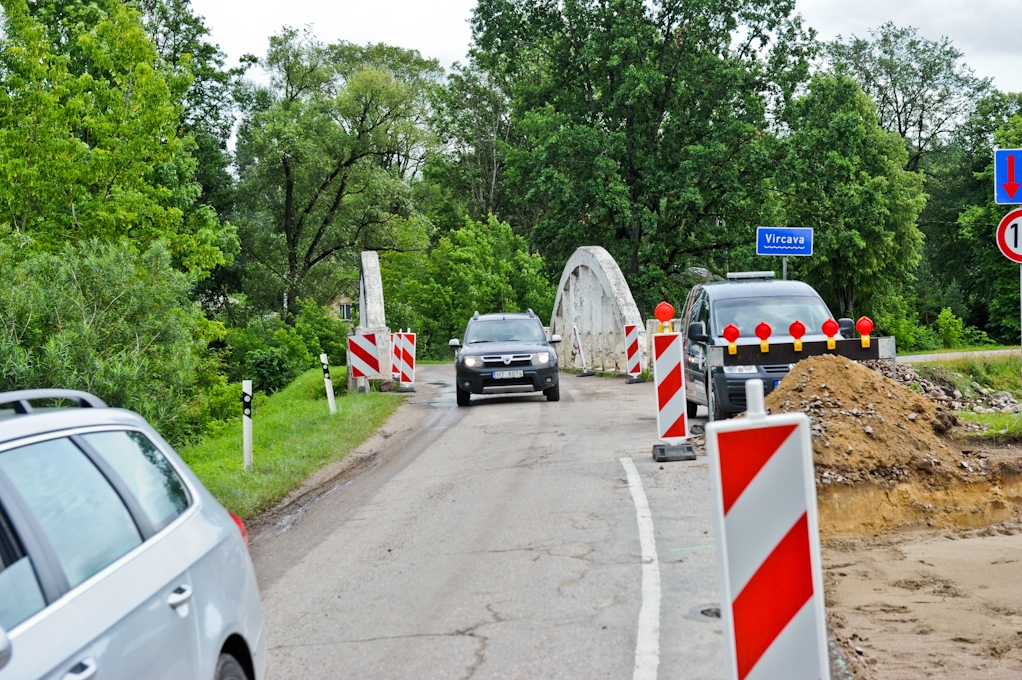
(555, 338)
(454, 342)
(5, 648)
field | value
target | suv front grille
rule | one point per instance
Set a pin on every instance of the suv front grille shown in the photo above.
(517, 360)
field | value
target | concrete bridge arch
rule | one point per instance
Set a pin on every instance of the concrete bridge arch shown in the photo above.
(594, 295)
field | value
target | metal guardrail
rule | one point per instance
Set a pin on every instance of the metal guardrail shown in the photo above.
(784, 353)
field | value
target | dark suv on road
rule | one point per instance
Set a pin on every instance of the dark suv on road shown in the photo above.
(505, 354)
(745, 300)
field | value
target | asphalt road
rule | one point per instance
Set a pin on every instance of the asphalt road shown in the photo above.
(500, 540)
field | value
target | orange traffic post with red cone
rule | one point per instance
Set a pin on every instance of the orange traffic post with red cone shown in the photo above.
(731, 334)
(865, 326)
(763, 332)
(831, 329)
(797, 330)
(669, 381)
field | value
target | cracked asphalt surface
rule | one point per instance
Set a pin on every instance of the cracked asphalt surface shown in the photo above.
(494, 541)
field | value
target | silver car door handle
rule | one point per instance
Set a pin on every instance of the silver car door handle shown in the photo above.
(83, 670)
(179, 596)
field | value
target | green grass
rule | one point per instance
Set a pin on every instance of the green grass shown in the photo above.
(293, 436)
(999, 425)
(976, 348)
(994, 373)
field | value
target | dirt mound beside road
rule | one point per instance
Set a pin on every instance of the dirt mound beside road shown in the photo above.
(867, 427)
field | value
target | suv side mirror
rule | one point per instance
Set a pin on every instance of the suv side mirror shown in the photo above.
(5, 648)
(454, 343)
(847, 327)
(555, 338)
(697, 332)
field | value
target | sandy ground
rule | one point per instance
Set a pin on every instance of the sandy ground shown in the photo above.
(929, 606)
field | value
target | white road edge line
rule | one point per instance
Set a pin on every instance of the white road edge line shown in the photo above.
(647, 643)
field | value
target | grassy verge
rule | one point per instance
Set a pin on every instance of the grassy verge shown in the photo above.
(972, 348)
(293, 436)
(999, 425)
(994, 373)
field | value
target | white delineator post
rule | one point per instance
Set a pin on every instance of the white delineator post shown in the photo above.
(669, 381)
(768, 544)
(246, 422)
(329, 384)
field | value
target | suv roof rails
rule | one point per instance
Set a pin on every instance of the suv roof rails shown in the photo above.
(738, 276)
(476, 315)
(21, 400)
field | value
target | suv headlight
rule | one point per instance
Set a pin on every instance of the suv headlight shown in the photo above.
(541, 358)
(472, 362)
(740, 369)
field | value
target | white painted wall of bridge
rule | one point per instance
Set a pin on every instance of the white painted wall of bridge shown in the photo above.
(594, 295)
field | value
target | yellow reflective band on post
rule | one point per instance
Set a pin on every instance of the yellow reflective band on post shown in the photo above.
(798, 345)
(732, 348)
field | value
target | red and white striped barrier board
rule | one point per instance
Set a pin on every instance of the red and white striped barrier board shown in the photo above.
(395, 356)
(406, 358)
(363, 356)
(669, 377)
(768, 545)
(632, 349)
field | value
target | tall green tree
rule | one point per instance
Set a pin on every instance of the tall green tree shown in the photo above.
(324, 153)
(89, 143)
(922, 87)
(646, 124)
(844, 175)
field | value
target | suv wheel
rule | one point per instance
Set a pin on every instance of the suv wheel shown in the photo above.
(228, 668)
(553, 393)
(463, 396)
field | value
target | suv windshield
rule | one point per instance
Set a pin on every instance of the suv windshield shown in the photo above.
(778, 312)
(504, 330)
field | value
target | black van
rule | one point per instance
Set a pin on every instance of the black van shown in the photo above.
(745, 300)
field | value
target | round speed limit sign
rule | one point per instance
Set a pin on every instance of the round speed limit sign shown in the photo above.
(1009, 236)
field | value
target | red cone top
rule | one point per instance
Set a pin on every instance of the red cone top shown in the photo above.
(864, 325)
(830, 328)
(664, 312)
(763, 331)
(797, 330)
(731, 333)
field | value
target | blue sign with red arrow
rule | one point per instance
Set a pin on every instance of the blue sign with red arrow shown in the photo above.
(1007, 176)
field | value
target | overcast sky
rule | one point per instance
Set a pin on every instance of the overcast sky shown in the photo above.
(985, 30)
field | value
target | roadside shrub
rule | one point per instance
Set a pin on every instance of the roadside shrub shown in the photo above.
(950, 329)
(107, 319)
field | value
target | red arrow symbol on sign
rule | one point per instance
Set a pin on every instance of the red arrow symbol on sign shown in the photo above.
(1011, 186)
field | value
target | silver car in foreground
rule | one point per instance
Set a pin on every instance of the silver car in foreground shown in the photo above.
(117, 563)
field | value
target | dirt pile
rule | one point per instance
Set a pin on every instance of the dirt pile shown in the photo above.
(869, 428)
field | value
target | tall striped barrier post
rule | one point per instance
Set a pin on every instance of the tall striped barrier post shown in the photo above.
(671, 412)
(406, 361)
(633, 357)
(329, 384)
(586, 373)
(246, 422)
(768, 544)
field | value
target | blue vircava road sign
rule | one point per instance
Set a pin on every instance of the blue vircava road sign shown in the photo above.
(784, 241)
(1007, 176)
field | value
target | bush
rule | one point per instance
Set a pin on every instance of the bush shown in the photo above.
(950, 329)
(104, 318)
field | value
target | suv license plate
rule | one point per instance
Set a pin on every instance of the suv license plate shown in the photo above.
(500, 375)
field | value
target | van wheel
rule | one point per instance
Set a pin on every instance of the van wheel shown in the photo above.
(553, 393)
(464, 396)
(228, 668)
(714, 412)
(692, 408)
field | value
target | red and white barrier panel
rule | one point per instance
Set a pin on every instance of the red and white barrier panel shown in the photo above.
(669, 377)
(768, 544)
(395, 356)
(406, 358)
(363, 356)
(632, 349)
